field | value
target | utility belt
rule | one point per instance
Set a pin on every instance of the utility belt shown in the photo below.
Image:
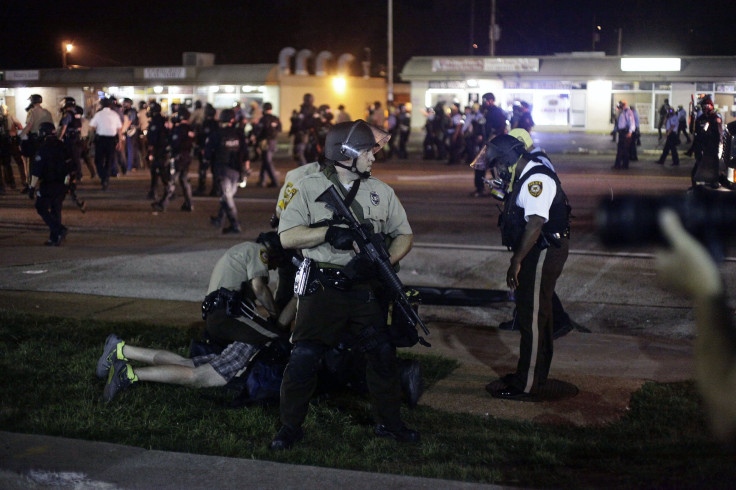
(314, 276)
(546, 239)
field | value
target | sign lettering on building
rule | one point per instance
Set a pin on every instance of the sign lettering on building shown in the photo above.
(21, 75)
(448, 84)
(174, 72)
(479, 65)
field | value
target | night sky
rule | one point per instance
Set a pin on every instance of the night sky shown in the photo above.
(157, 32)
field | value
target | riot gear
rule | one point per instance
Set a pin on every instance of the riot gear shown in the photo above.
(346, 141)
(503, 150)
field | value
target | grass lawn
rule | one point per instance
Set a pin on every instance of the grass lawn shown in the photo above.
(49, 387)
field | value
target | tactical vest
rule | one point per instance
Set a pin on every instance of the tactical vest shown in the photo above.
(53, 157)
(512, 222)
(228, 153)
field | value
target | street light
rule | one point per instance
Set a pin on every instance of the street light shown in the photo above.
(66, 48)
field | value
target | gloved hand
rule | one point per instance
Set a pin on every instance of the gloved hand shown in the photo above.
(274, 221)
(361, 268)
(32, 193)
(340, 238)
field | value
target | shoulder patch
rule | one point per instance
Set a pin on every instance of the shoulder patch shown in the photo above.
(263, 255)
(535, 188)
(375, 199)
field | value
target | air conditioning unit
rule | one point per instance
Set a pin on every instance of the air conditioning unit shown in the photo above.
(198, 59)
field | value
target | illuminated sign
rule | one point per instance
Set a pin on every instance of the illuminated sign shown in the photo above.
(485, 64)
(21, 75)
(651, 64)
(165, 73)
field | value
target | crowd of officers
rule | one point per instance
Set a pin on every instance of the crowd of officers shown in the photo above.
(457, 136)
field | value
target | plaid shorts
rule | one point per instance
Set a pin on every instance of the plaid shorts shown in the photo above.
(230, 361)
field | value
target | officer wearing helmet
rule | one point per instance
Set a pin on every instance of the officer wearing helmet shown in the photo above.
(181, 142)
(225, 148)
(341, 293)
(35, 116)
(707, 144)
(70, 130)
(157, 140)
(49, 178)
(131, 125)
(535, 226)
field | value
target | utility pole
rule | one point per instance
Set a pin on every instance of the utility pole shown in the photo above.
(493, 28)
(390, 51)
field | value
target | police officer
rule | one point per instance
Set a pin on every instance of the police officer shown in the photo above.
(209, 127)
(625, 126)
(225, 148)
(706, 145)
(49, 178)
(269, 128)
(343, 290)
(35, 116)
(181, 141)
(108, 127)
(9, 127)
(131, 125)
(70, 127)
(157, 140)
(671, 126)
(535, 225)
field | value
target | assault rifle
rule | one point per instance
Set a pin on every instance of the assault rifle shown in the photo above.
(375, 249)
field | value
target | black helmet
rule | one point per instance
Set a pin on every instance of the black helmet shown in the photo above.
(227, 115)
(489, 96)
(183, 113)
(46, 129)
(347, 140)
(155, 108)
(267, 106)
(128, 100)
(271, 241)
(209, 110)
(504, 150)
(35, 99)
(66, 103)
(198, 104)
(706, 100)
(105, 102)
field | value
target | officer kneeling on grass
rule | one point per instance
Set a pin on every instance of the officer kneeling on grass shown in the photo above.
(340, 294)
(535, 225)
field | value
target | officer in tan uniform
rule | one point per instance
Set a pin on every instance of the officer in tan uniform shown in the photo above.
(340, 289)
(29, 138)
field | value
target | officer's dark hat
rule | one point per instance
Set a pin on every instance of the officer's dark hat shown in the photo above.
(489, 96)
(46, 129)
(267, 106)
(209, 110)
(198, 104)
(128, 100)
(706, 100)
(35, 99)
(155, 108)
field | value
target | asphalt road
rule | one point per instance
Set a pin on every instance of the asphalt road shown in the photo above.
(121, 248)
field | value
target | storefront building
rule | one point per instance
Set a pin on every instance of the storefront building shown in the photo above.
(575, 91)
(283, 84)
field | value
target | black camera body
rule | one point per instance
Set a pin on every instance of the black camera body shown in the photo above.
(629, 220)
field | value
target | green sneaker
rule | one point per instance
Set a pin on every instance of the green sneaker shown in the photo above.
(113, 350)
(120, 377)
